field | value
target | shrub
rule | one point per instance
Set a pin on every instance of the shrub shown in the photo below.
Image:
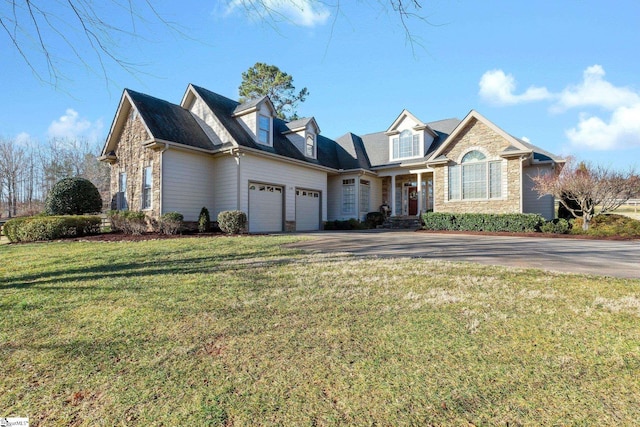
(73, 196)
(350, 224)
(204, 221)
(128, 222)
(482, 222)
(374, 219)
(38, 228)
(609, 225)
(232, 222)
(556, 226)
(170, 223)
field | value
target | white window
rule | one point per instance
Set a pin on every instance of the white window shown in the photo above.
(311, 146)
(121, 198)
(475, 178)
(147, 180)
(349, 196)
(454, 182)
(407, 145)
(264, 130)
(364, 195)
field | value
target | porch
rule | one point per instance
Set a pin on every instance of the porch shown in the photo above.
(408, 195)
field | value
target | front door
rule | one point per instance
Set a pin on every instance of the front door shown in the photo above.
(413, 200)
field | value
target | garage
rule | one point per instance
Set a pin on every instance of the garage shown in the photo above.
(265, 208)
(307, 210)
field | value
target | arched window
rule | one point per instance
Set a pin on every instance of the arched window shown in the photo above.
(475, 178)
(473, 156)
(407, 145)
(311, 146)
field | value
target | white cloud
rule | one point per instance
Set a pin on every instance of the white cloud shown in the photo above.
(621, 131)
(306, 13)
(525, 139)
(595, 91)
(72, 126)
(498, 88)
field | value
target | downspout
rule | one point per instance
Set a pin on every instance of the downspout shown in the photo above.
(236, 155)
(522, 159)
(166, 147)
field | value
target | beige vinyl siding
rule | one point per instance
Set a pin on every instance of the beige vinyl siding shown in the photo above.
(375, 195)
(209, 123)
(334, 199)
(530, 201)
(188, 183)
(225, 181)
(290, 176)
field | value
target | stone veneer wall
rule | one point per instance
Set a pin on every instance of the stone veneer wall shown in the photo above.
(132, 157)
(477, 134)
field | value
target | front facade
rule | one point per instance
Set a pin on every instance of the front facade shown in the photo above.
(210, 151)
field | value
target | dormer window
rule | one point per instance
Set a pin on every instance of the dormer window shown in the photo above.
(406, 145)
(311, 146)
(264, 130)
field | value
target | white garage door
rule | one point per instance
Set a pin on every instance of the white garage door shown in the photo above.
(265, 208)
(307, 210)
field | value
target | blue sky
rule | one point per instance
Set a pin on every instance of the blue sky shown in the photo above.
(565, 75)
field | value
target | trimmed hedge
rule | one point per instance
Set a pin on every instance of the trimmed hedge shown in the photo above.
(128, 222)
(349, 224)
(170, 223)
(39, 228)
(607, 225)
(232, 222)
(556, 226)
(73, 196)
(482, 222)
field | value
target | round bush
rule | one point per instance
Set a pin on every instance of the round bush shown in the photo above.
(73, 196)
(232, 222)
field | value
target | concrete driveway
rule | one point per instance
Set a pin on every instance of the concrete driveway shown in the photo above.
(599, 257)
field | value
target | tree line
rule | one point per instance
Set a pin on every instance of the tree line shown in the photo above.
(28, 171)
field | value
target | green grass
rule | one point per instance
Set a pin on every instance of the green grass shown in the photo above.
(241, 331)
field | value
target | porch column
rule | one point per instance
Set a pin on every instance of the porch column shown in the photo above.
(393, 195)
(419, 193)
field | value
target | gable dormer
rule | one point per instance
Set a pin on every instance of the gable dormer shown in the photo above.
(256, 116)
(205, 116)
(303, 133)
(409, 138)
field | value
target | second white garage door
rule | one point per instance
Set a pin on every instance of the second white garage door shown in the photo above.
(265, 208)
(307, 210)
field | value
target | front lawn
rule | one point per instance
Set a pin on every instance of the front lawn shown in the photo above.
(239, 331)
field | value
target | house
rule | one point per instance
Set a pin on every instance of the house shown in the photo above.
(214, 152)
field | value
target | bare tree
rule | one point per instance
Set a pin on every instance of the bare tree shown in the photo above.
(86, 30)
(11, 166)
(49, 33)
(586, 190)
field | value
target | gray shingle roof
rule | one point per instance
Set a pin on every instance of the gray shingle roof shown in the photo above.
(300, 123)
(539, 153)
(377, 144)
(224, 108)
(249, 104)
(169, 122)
(351, 153)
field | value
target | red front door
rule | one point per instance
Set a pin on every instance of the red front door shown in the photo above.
(413, 200)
